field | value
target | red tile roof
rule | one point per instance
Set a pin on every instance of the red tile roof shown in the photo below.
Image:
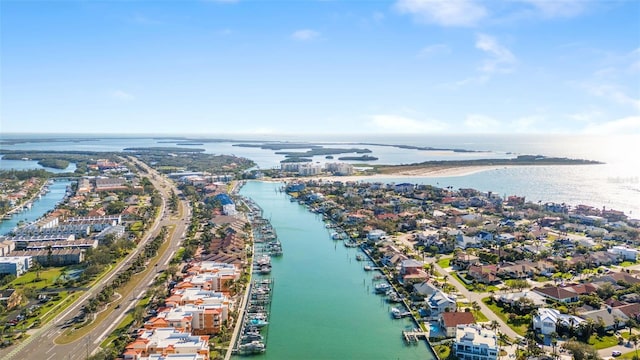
(453, 319)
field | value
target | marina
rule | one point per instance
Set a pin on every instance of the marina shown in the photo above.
(323, 304)
(47, 200)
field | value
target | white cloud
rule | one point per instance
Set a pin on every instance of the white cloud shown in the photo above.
(587, 116)
(305, 35)
(625, 126)
(122, 95)
(402, 124)
(558, 8)
(477, 123)
(443, 12)
(501, 59)
(612, 92)
(434, 49)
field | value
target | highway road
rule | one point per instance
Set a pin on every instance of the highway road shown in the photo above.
(42, 345)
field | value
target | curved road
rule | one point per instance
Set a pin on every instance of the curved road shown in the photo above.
(41, 344)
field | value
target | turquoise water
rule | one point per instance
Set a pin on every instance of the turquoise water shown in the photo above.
(31, 165)
(323, 305)
(40, 207)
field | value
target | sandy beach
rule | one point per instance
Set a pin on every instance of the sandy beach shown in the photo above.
(422, 172)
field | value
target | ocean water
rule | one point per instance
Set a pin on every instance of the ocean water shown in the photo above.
(615, 184)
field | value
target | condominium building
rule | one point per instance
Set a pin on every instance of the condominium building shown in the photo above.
(475, 343)
(166, 341)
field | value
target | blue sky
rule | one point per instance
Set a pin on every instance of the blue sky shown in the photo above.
(404, 66)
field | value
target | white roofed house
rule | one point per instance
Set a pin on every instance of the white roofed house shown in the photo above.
(439, 302)
(547, 320)
(475, 343)
(625, 252)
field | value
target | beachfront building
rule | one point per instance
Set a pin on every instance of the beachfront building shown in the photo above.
(166, 341)
(475, 343)
(340, 168)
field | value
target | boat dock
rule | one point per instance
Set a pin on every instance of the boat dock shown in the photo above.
(413, 336)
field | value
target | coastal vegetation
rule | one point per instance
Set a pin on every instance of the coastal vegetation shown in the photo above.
(521, 160)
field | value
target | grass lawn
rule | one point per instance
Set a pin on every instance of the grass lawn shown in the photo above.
(521, 330)
(602, 342)
(444, 263)
(136, 226)
(47, 277)
(443, 351)
(457, 277)
(627, 263)
(480, 316)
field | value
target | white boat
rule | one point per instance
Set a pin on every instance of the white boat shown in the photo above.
(252, 347)
(382, 288)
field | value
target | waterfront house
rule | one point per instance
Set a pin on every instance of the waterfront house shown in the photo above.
(376, 235)
(472, 342)
(424, 289)
(439, 303)
(449, 321)
(546, 321)
(412, 270)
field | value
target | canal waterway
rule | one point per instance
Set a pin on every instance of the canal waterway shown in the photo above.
(323, 304)
(41, 206)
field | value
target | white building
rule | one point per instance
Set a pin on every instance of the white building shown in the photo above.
(16, 265)
(339, 168)
(547, 319)
(164, 341)
(310, 169)
(475, 343)
(626, 252)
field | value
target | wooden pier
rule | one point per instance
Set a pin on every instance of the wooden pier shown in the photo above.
(413, 336)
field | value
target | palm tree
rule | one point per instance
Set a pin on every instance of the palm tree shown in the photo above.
(554, 342)
(475, 306)
(635, 339)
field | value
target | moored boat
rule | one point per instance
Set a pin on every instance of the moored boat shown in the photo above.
(382, 288)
